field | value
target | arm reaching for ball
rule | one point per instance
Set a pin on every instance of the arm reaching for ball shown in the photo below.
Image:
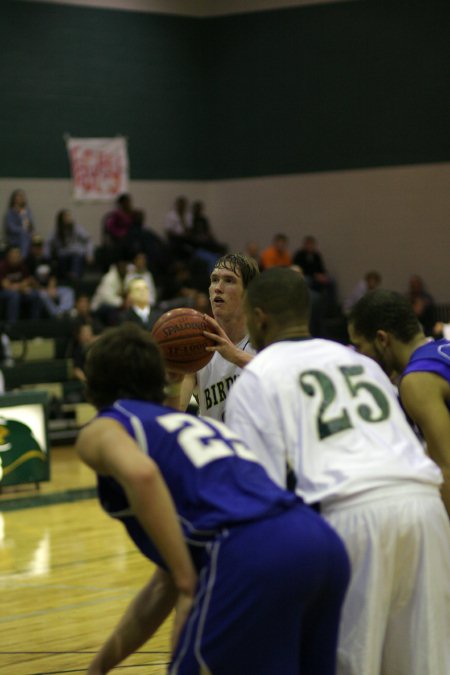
(224, 345)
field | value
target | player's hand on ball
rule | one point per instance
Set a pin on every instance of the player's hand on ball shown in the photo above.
(223, 345)
(180, 335)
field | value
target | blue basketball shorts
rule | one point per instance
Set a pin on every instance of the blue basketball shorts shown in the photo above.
(268, 601)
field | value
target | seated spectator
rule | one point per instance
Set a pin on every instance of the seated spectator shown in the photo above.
(83, 337)
(200, 237)
(119, 223)
(369, 282)
(139, 268)
(176, 228)
(277, 254)
(82, 313)
(310, 260)
(317, 311)
(200, 232)
(253, 251)
(182, 289)
(70, 246)
(56, 300)
(109, 298)
(18, 287)
(157, 251)
(422, 303)
(182, 245)
(19, 225)
(311, 263)
(176, 220)
(139, 309)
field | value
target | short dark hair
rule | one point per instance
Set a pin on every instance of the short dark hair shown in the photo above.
(124, 362)
(239, 262)
(281, 292)
(384, 310)
(123, 198)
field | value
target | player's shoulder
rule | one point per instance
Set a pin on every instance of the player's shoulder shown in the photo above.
(314, 348)
(432, 357)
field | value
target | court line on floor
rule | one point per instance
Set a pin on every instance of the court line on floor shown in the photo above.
(50, 499)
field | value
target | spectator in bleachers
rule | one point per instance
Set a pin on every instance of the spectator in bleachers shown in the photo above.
(139, 308)
(82, 313)
(310, 260)
(369, 282)
(83, 337)
(120, 222)
(182, 289)
(19, 226)
(139, 268)
(201, 238)
(422, 303)
(176, 220)
(57, 300)
(18, 288)
(200, 232)
(183, 245)
(277, 254)
(252, 249)
(70, 246)
(176, 228)
(109, 298)
(156, 250)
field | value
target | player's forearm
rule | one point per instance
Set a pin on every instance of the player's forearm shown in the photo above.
(141, 620)
(152, 504)
(239, 357)
(243, 358)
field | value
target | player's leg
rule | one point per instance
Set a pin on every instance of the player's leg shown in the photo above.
(369, 538)
(319, 636)
(252, 597)
(418, 632)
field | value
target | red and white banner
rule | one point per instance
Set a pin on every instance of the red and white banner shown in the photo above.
(99, 167)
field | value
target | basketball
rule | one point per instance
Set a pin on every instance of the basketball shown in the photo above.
(179, 334)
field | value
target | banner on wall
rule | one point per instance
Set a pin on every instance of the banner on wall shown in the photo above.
(99, 167)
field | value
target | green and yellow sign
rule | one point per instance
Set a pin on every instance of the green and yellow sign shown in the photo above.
(24, 448)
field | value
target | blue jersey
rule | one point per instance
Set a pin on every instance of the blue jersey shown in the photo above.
(432, 357)
(214, 479)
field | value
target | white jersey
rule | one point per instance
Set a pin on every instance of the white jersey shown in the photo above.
(332, 415)
(214, 382)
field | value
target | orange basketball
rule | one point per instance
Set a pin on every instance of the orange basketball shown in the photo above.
(179, 334)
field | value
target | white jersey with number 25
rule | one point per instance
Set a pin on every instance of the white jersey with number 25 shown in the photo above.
(330, 414)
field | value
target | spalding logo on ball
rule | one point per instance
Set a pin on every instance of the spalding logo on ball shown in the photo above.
(179, 334)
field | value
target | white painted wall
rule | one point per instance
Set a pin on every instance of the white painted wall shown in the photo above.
(396, 220)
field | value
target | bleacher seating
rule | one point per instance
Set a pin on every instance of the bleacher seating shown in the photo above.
(39, 351)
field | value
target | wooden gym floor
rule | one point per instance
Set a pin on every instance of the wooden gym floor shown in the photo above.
(67, 572)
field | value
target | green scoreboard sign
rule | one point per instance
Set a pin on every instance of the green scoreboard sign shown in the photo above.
(24, 446)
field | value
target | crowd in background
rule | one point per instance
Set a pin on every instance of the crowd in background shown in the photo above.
(66, 276)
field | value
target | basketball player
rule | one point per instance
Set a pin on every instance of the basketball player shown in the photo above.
(229, 279)
(383, 325)
(332, 415)
(233, 550)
